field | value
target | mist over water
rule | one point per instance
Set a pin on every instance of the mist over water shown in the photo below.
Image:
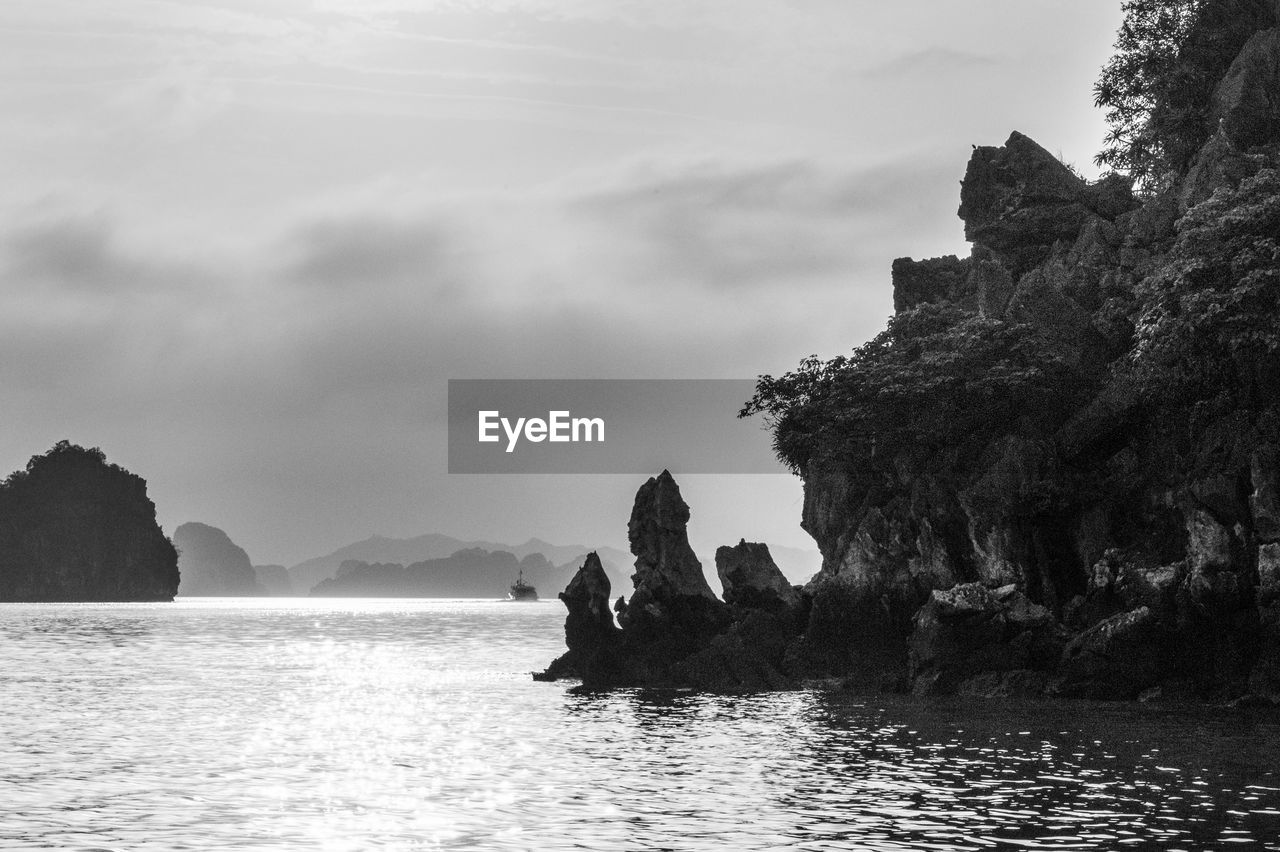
(380, 724)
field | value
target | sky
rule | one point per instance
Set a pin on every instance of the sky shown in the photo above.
(245, 244)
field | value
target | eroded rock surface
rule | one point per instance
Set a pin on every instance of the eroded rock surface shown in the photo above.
(674, 632)
(752, 580)
(1111, 537)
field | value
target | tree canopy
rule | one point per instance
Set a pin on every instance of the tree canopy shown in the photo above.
(937, 378)
(1157, 88)
(1210, 311)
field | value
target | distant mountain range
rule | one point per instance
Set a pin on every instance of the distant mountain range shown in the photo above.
(473, 572)
(431, 565)
(377, 549)
(564, 559)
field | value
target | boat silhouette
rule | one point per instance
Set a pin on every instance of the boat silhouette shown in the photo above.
(522, 591)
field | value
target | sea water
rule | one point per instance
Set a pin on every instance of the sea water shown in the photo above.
(413, 724)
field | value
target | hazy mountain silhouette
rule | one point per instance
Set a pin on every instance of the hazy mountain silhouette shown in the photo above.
(274, 579)
(210, 563)
(377, 549)
(469, 573)
(797, 564)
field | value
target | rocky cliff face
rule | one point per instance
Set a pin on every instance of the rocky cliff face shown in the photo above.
(1057, 472)
(212, 564)
(675, 632)
(75, 528)
(1132, 544)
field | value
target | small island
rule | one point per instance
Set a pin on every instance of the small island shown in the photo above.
(75, 528)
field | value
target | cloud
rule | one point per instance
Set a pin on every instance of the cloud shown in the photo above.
(306, 370)
(780, 223)
(370, 253)
(932, 63)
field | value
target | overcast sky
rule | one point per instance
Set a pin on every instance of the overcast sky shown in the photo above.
(244, 244)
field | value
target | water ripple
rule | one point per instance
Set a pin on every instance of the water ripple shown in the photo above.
(413, 725)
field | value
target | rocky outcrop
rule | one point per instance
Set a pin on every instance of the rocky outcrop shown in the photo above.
(672, 605)
(1119, 657)
(969, 630)
(589, 632)
(1246, 103)
(1068, 481)
(751, 580)
(674, 632)
(1125, 543)
(212, 564)
(666, 566)
(274, 580)
(75, 528)
(1018, 201)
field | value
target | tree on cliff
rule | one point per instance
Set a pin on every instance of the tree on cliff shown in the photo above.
(937, 379)
(1209, 321)
(1157, 88)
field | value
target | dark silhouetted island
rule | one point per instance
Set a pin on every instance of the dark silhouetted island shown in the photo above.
(469, 573)
(1057, 472)
(75, 528)
(213, 565)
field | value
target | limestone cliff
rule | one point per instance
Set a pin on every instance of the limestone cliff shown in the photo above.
(75, 528)
(212, 564)
(1110, 525)
(1057, 471)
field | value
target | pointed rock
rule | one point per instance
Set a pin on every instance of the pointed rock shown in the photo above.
(666, 566)
(590, 621)
(751, 579)
(673, 611)
(589, 631)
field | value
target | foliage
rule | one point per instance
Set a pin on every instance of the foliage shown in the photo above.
(1210, 316)
(1157, 89)
(69, 471)
(61, 456)
(938, 377)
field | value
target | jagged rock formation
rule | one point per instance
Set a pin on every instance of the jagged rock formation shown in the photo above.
(1057, 471)
(672, 600)
(752, 580)
(212, 564)
(274, 580)
(589, 632)
(674, 631)
(971, 638)
(75, 528)
(1128, 539)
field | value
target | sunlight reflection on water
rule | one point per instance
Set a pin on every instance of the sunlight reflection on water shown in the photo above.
(361, 724)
